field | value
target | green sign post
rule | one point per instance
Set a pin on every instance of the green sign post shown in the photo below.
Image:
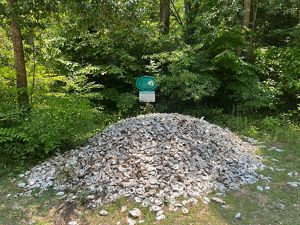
(146, 86)
(146, 83)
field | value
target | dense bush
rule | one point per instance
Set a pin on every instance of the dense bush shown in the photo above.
(61, 116)
(279, 70)
(270, 128)
(55, 123)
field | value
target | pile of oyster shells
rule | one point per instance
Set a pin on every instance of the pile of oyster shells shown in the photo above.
(153, 159)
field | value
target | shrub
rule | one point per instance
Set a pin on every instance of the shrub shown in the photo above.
(55, 123)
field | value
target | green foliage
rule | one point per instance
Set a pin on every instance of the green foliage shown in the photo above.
(8, 103)
(270, 128)
(125, 103)
(208, 74)
(185, 85)
(102, 47)
(180, 80)
(240, 83)
(275, 24)
(104, 54)
(270, 122)
(56, 123)
(280, 70)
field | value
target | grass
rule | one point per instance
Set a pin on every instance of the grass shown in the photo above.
(256, 207)
(259, 207)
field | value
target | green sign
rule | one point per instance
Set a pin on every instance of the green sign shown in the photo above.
(146, 83)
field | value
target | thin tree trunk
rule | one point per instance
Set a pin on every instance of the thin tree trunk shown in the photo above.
(32, 42)
(187, 9)
(165, 16)
(246, 16)
(175, 13)
(299, 14)
(245, 21)
(19, 59)
(254, 14)
(190, 13)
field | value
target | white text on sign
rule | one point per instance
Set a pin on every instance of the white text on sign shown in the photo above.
(147, 96)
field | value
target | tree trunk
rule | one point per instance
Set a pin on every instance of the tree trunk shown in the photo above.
(246, 16)
(187, 6)
(245, 20)
(188, 22)
(190, 13)
(165, 16)
(19, 59)
(299, 14)
(254, 14)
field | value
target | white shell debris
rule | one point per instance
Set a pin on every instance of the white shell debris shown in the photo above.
(60, 193)
(124, 208)
(21, 185)
(135, 213)
(160, 217)
(156, 208)
(238, 216)
(131, 221)
(206, 200)
(152, 159)
(294, 184)
(292, 174)
(185, 210)
(260, 188)
(267, 188)
(218, 200)
(73, 223)
(103, 213)
(281, 206)
(90, 197)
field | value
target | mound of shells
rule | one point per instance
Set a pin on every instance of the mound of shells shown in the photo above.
(152, 159)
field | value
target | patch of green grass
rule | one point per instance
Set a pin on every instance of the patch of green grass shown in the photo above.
(258, 207)
(22, 210)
